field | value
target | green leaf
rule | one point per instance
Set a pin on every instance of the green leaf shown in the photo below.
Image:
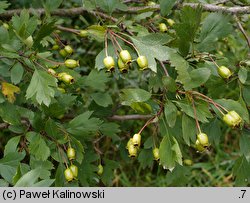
(11, 145)
(151, 51)
(244, 76)
(246, 94)
(245, 143)
(96, 80)
(179, 177)
(169, 83)
(146, 158)
(3, 183)
(102, 99)
(10, 114)
(29, 178)
(4, 35)
(141, 107)
(38, 146)
(9, 164)
(241, 171)
(52, 129)
(16, 73)
(23, 24)
(44, 183)
(110, 5)
(198, 78)
(3, 6)
(97, 32)
(213, 130)
(45, 30)
(52, 5)
(111, 130)
(156, 38)
(170, 112)
(214, 27)
(166, 6)
(129, 96)
(188, 129)
(42, 87)
(83, 125)
(59, 175)
(77, 145)
(202, 110)
(44, 166)
(108, 171)
(169, 149)
(88, 168)
(190, 19)
(181, 66)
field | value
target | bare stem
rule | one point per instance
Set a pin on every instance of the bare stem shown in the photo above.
(151, 119)
(242, 30)
(195, 116)
(106, 44)
(128, 42)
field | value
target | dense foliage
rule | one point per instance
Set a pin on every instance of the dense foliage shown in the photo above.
(124, 93)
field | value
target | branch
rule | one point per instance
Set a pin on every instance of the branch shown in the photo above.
(215, 8)
(80, 10)
(6, 125)
(129, 117)
(242, 30)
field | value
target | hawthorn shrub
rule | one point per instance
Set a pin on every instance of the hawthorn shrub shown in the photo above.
(124, 93)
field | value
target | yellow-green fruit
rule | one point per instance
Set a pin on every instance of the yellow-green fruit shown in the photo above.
(54, 66)
(142, 62)
(232, 119)
(63, 53)
(66, 78)
(199, 147)
(55, 47)
(224, 72)
(109, 63)
(236, 116)
(74, 170)
(130, 142)
(156, 154)
(100, 170)
(29, 41)
(132, 151)
(68, 175)
(122, 66)
(6, 26)
(188, 162)
(203, 139)
(170, 22)
(62, 90)
(83, 33)
(71, 63)
(71, 153)
(125, 56)
(136, 140)
(151, 3)
(163, 27)
(69, 49)
(229, 120)
(51, 71)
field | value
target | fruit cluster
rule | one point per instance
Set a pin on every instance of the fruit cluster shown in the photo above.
(133, 145)
(202, 142)
(71, 172)
(63, 77)
(124, 62)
